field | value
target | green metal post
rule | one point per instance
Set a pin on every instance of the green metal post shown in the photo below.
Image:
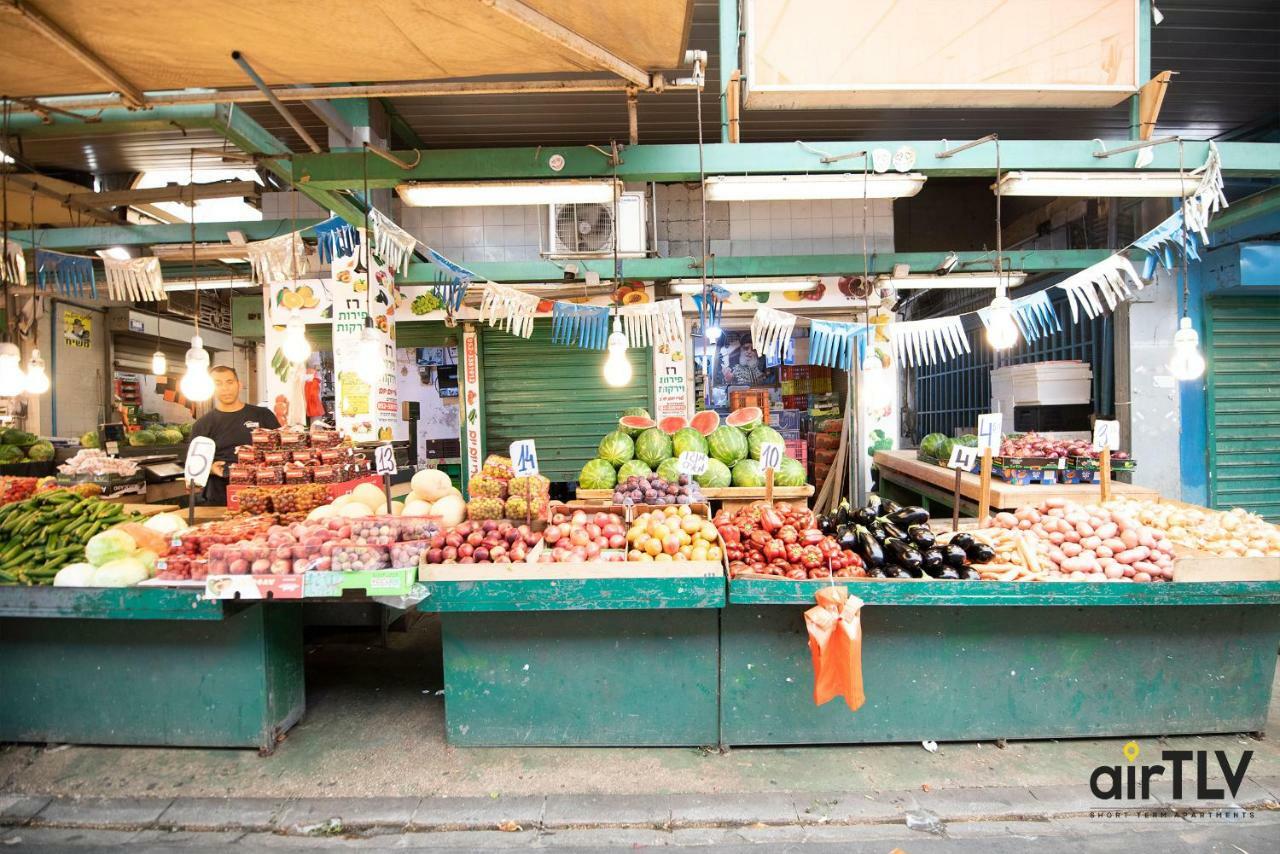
(729, 33)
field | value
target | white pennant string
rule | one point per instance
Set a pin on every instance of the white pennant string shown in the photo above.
(770, 331)
(391, 243)
(135, 279)
(278, 259)
(14, 270)
(652, 324)
(919, 342)
(1112, 280)
(509, 308)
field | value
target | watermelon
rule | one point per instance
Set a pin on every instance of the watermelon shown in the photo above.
(748, 473)
(634, 425)
(637, 411)
(672, 425)
(669, 469)
(706, 421)
(790, 473)
(745, 419)
(40, 452)
(21, 438)
(688, 439)
(653, 446)
(11, 454)
(169, 436)
(717, 475)
(185, 430)
(727, 444)
(638, 468)
(760, 437)
(597, 474)
(616, 448)
(139, 438)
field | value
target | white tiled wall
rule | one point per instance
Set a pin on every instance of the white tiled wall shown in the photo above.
(503, 233)
(280, 206)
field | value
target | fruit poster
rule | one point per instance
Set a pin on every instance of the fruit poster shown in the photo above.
(365, 411)
(671, 387)
(285, 382)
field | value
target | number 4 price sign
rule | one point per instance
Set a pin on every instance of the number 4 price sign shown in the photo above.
(989, 443)
(962, 459)
(196, 471)
(1106, 438)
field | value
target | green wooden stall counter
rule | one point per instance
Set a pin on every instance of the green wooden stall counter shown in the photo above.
(966, 661)
(616, 662)
(147, 666)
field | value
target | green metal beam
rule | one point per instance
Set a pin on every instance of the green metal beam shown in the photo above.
(671, 163)
(771, 265)
(397, 124)
(149, 235)
(729, 29)
(1260, 204)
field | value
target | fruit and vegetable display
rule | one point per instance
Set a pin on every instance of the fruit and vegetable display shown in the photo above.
(785, 541)
(19, 446)
(640, 446)
(16, 488)
(488, 541)
(1226, 533)
(285, 455)
(496, 493)
(655, 490)
(90, 462)
(1034, 445)
(155, 434)
(668, 535)
(896, 542)
(40, 535)
(119, 557)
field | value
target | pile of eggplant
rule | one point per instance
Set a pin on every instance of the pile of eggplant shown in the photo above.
(896, 542)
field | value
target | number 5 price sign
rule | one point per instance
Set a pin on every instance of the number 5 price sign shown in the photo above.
(196, 470)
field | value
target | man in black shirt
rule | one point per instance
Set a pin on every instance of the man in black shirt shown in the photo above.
(228, 425)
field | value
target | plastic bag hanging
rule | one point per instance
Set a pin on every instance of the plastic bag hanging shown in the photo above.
(835, 647)
(278, 259)
(14, 264)
(71, 274)
(391, 243)
(134, 278)
(771, 332)
(336, 238)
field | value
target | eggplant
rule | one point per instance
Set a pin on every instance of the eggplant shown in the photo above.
(953, 556)
(891, 571)
(868, 548)
(847, 538)
(875, 572)
(962, 540)
(891, 530)
(827, 523)
(968, 573)
(949, 573)
(931, 561)
(921, 537)
(844, 513)
(905, 517)
(885, 506)
(902, 553)
(864, 515)
(980, 553)
(908, 571)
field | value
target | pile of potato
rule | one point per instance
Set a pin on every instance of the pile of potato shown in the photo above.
(1234, 533)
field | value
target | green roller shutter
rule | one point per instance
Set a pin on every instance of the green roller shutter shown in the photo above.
(1243, 348)
(554, 395)
(426, 333)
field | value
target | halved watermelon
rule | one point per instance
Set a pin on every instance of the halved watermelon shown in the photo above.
(745, 419)
(706, 422)
(672, 425)
(634, 425)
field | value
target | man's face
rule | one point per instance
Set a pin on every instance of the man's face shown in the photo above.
(226, 388)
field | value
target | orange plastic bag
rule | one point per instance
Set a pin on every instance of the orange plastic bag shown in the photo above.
(835, 643)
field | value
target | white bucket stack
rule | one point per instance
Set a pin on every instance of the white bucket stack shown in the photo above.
(1040, 384)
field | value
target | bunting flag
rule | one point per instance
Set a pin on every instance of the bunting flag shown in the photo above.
(1164, 243)
(771, 332)
(510, 308)
(336, 238)
(923, 342)
(13, 264)
(834, 344)
(278, 259)
(586, 326)
(135, 279)
(450, 292)
(391, 243)
(709, 306)
(1209, 197)
(652, 323)
(1107, 281)
(1033, 314)
(70, 273)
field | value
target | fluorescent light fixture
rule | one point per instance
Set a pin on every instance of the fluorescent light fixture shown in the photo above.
(960, 280)
(1097, 184)
(472, 193)
(118, 253)
(771, 188)
(768, 286)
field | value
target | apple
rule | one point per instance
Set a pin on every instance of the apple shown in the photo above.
(435, 555)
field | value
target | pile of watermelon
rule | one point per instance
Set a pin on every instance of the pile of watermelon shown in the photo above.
(640, 447)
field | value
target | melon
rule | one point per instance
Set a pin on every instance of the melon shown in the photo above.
(727, 444)
(616, 448)
(688, 439)
(745, 419)
(717, 475)
(597, 474)
(654, 446)
(638, 468)
(747, 473)
(672, 425)
(669, 469)
(430, 484)
(790, 473)
(760, 437)
(634, 425)
(706, 421)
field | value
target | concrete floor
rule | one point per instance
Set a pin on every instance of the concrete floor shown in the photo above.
(374, 728)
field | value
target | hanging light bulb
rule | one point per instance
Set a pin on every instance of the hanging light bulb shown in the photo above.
(197, 385)
(712, 333)
(37, 378)
(1186, 362)
(296, 347)
(617, 368)
(12, 380)
(159, 364)
(370, 364)
(1002, 332)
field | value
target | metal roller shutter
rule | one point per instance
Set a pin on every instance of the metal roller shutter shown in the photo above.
(556, 396)
(1244, 408)
(426, 333)
(134, 352)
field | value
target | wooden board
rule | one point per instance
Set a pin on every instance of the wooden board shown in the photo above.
(903, 468)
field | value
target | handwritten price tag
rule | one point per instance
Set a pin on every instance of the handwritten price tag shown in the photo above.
(692, 463)
(770, 456)
(962, 457)
(384, 459)
(1106, 434)
(524, 458)
(199, 460)
(989, 427)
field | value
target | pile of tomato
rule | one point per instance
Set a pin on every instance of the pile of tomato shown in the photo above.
(783, 541)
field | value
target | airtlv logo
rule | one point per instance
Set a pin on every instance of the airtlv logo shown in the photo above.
(1130, 782)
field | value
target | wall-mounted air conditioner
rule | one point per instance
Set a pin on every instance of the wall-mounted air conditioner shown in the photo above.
(589, 230)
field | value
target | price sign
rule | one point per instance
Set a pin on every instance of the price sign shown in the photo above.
(384, 459)
(113, 448)
(962, 457)
(1106, 434)
(199, 460)
(692, 463)
(770, 456)
(989, 427)
(524, 458)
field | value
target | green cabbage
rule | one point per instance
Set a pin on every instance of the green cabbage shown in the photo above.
(936, 445)
(108, 546)
(40, 452)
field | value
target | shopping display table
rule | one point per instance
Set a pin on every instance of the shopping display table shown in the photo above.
(908, 480)
(147, 666)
